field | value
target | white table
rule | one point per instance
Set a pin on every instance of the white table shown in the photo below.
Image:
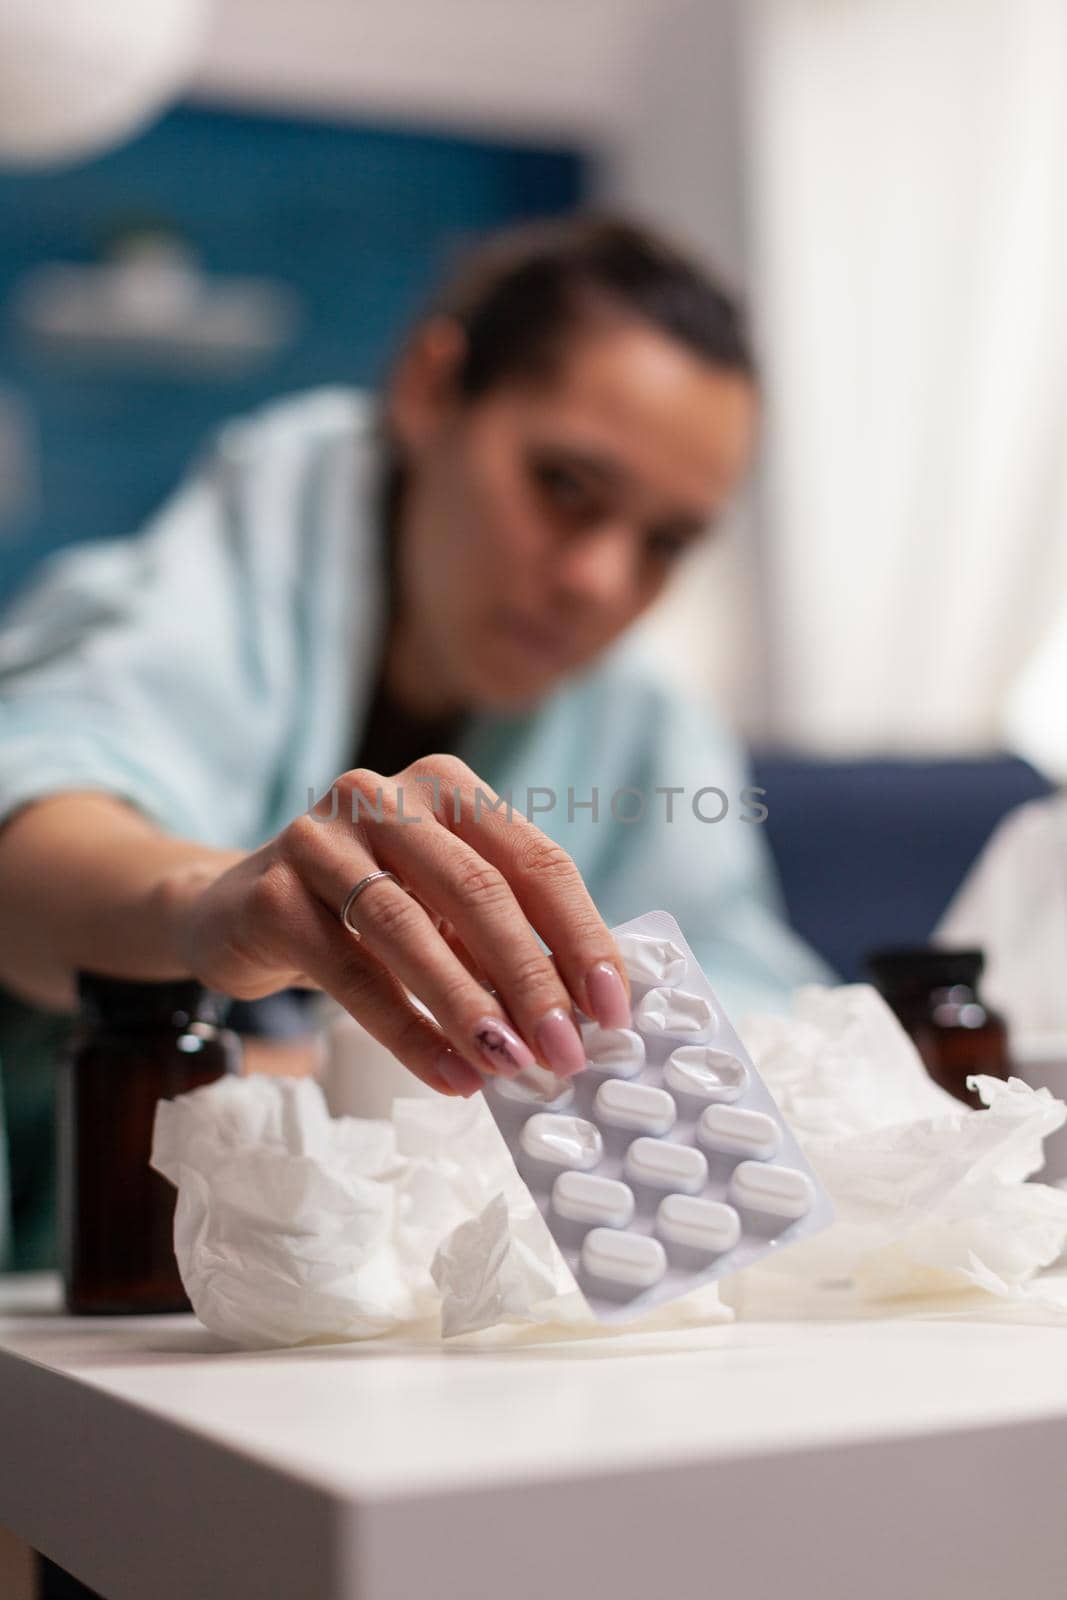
(816, 1460)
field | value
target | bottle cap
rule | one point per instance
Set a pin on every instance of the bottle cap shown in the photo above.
(127, 1002)
(915, 969)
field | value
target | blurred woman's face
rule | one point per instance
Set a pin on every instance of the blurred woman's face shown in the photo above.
(541, 520)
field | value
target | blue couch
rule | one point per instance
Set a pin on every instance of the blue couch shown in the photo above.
(870, 852)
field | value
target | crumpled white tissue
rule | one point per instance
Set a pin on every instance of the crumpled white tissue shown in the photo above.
(929, 1194)
(295, 1227)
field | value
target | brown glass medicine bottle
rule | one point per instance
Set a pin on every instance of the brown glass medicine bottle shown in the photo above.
(935, 995)
(136, 1043)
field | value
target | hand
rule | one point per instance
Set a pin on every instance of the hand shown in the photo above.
(475, 889)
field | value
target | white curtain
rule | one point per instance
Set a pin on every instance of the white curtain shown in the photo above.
(908, 189)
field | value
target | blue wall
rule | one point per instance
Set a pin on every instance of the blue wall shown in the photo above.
(359, 220)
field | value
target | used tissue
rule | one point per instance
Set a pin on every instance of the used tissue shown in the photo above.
(296, 1227)
(929, 1194)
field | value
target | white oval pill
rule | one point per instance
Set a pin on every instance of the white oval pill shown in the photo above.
(544, 1090)
(705, 1073)
(635, 1105)
(630, 1258)
(649, 960)
(562, 1141)
(704, 1224)
(580, 1197)
(738, 1133)
(619, 1051)
(662, 1165)
(675, 1012)
(778, 1191)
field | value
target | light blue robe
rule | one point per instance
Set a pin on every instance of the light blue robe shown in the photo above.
(215, 670)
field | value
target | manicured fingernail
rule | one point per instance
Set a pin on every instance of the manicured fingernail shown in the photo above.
(457, 1073)
(501, 1047)
(607, 996)
(560, 1043)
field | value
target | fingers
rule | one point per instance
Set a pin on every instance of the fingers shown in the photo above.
(459, 949)
(452, 939)
(358, 981)
(476, 894)
(396, 930)
(545, 883)
(489, 924)
(449, 876)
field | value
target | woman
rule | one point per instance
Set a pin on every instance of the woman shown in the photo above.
(397, 612)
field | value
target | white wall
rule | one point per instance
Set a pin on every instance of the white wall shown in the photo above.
(526, 67)
(676, 154)
(677, 159)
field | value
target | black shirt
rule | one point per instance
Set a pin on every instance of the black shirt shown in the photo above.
(393, 737)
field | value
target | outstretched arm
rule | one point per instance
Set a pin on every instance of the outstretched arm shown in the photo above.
(459, 893)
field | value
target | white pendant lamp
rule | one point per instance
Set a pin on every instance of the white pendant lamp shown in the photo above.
(79, 75)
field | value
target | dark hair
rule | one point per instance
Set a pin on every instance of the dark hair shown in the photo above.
(521, 295)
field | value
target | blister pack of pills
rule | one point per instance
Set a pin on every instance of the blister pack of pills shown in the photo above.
(665, 1163)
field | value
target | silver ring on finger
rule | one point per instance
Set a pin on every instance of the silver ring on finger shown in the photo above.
(354, 894)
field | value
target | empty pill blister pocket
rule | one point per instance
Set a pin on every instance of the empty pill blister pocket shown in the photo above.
(666, 1163)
